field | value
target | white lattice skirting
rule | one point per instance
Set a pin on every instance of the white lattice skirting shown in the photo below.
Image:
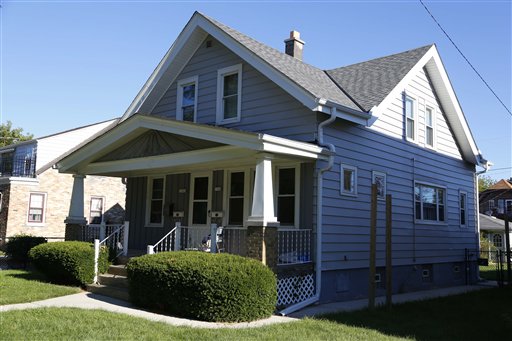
(291, 290)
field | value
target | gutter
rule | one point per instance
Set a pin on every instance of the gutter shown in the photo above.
(319, 204)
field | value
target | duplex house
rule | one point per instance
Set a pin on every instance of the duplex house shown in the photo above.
(34, 197)
(281, 156)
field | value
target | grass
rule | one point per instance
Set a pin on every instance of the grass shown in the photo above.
(19, 286)
(483, 315)
(490, 273)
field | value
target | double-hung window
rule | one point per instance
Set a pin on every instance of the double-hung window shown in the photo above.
(429, 127)
(429, 203)
(229, 94)
(491, 205)
(286, 196)
(156, 201)
(36, 208)
(497, 240)
(410, 119)
(96, 210)
(463, 208)
(348, 180)
(186, 107)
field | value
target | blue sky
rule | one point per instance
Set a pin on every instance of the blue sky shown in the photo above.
(72, 63)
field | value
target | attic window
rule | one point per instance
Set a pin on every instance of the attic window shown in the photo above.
(186, 104)
(209, 43)
(410, 119)
(229, 93)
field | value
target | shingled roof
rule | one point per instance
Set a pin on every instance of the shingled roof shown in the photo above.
(368, 83)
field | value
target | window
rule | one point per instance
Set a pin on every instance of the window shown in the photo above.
(463, 208)
(96, 210)
(429, 127)
(497, 240)
(36, 208)
(410, 119)
(379, 179)
(286, 196)
(508, 205)
(200, 192)
(186, 109)
(236, 198)
(501, 206)
(348, 181)
(429, 203)
(491, 205)
(229, 92)
(156, 203)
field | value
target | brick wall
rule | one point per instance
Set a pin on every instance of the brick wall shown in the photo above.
(58, 188)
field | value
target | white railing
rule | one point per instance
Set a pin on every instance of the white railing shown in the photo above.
(169, 242)
(294, 246)
(116, 242)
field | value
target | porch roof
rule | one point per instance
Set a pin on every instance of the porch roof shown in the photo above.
(143, 144)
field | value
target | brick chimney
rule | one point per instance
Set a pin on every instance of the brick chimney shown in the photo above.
(294, 46)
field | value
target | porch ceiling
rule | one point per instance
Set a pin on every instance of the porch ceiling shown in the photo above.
(148, 144)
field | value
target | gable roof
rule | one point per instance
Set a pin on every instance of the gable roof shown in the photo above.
(368, 83)
(502, 184)
(359, 93)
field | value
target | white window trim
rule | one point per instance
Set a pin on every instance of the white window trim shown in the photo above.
(491, 207)
(384, 175)
(428, 106)
(501, 240)
(465, 209)
(102, 205)
(43, 220)
(415, 117)
(179, 97)
(221, 73)
(296, 218)
(208, 200)
(149, 198)
(431, 222)
(342, 180)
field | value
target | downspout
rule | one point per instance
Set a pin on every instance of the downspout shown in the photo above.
(486, 167)
(319, 204)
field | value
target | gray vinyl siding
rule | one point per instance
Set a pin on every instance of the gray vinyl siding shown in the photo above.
(346, 220)
(392, 122)
(265, 106)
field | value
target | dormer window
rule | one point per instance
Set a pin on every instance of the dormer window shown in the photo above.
(410, 119)
(229, 93)
(186, 107)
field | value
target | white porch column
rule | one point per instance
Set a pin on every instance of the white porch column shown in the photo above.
(76, 219)
(262, 212)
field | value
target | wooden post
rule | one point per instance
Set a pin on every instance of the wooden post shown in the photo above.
(389, 259)
(373, 248)
(507, 249)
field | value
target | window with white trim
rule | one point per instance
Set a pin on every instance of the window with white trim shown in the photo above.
(429, 203)
(429, 127)
(379, 178)
(286, 195)
(36, 207)
(410, 118)
(229, 94)
(497, 240)
(491, 204)
(186, 103)
(236, 198)
(348, 180)
(96, 210)
(155, 215)
(463, 208)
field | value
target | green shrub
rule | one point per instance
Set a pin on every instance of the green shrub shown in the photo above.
(68, 262)
(203, 286)
(17, 247)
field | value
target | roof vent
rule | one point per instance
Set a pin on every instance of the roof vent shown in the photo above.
(294, 45)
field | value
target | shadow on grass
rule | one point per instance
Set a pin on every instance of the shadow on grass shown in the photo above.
(480, 315)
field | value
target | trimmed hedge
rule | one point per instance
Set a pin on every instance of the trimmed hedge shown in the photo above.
(203, 286)
(68, 262)
(17, 247)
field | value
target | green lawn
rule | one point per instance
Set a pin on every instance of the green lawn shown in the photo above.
(483, 315)
(489, 272)
(19, 286)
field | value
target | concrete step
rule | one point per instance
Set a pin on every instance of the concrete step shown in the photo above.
(113, 280)
(115, 292)
(119, 270)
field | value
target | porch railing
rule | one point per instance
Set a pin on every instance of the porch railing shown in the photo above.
(116, 242)
(294, 246)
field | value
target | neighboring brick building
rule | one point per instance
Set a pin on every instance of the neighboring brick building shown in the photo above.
(35, 198)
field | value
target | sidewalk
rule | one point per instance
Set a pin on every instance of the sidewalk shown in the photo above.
(86, 300)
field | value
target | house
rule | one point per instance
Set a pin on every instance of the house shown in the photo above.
(34, 197)
(497, 199)
(493, 229)
(282, 155)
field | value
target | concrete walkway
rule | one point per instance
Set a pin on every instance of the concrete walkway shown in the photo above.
(86, 300)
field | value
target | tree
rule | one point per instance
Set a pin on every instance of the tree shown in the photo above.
(10, 135)
(484, 182)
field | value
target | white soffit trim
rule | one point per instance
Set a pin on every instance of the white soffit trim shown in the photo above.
(431, 61)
